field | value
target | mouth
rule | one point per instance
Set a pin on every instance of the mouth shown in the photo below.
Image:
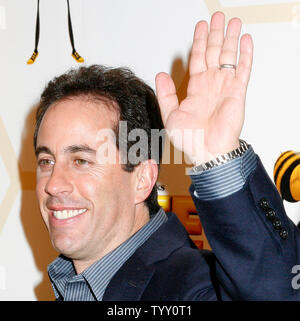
(66, 214)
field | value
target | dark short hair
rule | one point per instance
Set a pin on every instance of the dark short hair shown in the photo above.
(136, 104)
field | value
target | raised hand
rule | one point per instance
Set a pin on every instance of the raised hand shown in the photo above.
(215, 101)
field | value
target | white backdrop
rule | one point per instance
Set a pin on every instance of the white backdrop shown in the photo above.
(148, 36)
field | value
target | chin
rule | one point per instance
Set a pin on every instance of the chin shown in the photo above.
(65, 246)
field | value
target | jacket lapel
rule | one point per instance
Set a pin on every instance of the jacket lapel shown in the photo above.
(130, 282)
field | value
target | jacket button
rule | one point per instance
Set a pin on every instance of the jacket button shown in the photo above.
(277, 224)
(283, 234)
(263, 203)
(270, 214)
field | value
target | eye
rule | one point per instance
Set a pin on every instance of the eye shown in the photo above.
(81, 162)
(45, 162)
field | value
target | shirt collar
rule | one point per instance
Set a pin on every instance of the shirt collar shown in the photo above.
(60, 271)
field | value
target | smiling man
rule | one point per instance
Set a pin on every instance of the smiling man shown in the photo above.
(86, 215)
(91, 207)
(116, 243)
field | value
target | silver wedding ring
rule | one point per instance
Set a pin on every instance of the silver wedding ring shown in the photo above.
(228, 66)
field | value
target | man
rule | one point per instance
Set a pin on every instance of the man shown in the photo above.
(103, 217)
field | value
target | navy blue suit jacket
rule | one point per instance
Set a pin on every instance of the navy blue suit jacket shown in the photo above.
(251, 260)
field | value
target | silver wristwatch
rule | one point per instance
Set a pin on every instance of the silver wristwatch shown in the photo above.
(222, 159)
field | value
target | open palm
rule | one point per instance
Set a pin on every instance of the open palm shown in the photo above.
(215, 102)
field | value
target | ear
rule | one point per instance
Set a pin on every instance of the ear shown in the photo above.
(146, 177)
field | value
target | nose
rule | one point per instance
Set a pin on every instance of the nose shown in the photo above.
(59, 182)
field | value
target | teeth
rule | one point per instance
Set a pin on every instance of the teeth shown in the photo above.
(61, 215)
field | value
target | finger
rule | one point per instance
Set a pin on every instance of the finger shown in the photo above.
(197, 58)
(166, 95)
(231, 42)
(245, 60)
(215, 40)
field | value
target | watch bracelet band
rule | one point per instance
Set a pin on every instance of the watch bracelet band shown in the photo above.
(223, 159)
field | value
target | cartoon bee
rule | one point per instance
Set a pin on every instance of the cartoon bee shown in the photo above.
(75, 54)
(287, 176)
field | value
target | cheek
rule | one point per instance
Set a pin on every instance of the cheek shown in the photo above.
(41, 197)
(93, 189)
(105, 191)
(124, 189)
(42, 178)
(41, 181)
(89, 187)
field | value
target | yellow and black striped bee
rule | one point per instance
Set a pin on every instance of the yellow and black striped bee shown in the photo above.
(287, 176)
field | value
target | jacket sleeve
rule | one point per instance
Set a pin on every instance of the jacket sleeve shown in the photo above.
(255, 243)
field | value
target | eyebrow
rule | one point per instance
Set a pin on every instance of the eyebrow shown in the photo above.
(43, 149)
(70, 150)
(79, 148)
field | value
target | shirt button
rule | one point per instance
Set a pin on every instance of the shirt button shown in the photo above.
(264, 204)
(277, 224)
(270, 214)
(283, 234)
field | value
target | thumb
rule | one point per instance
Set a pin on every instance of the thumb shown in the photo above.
(166, 95)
